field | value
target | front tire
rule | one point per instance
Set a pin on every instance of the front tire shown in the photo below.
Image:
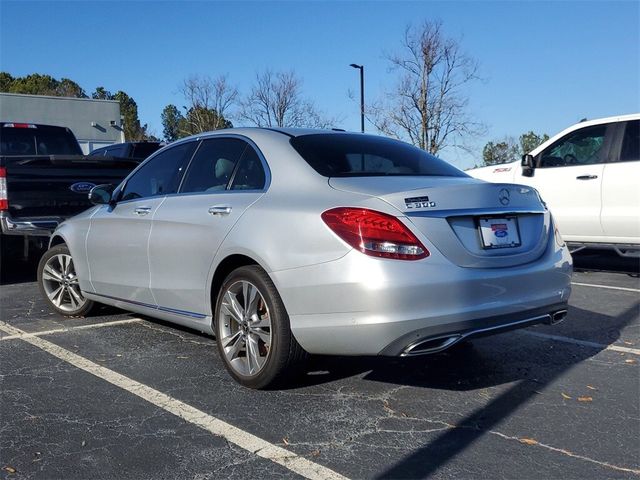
(253, 332)
(59, 284)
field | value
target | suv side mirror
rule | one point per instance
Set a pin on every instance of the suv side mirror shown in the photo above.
(528, 165)
(101, 194)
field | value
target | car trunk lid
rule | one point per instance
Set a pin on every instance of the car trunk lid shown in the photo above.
(473, 223)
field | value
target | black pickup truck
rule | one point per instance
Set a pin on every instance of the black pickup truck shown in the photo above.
(135, 150)
(44, 179)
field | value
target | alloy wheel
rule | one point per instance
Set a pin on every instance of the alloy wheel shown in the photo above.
(61, 284)
(244, 326)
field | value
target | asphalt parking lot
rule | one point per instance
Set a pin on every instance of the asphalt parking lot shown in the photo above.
(120, 396)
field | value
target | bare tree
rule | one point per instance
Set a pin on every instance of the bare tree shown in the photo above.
(276, 100)
(428, 106)
(208, 102)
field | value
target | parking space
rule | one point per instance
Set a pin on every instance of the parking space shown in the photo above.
(119, 396)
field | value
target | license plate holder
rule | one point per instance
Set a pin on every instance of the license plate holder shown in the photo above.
(499, 232)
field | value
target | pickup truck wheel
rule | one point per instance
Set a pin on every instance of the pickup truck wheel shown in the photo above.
(252, 330)
(59, 284)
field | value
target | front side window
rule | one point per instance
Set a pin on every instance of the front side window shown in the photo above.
(212, 165)
(582, 147)
(631, 142)
(161, 175)
(355, 155)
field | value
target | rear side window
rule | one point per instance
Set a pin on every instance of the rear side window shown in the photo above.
(353, 155)
(250, 174)
(631, 142)
(213, 165)
(161, 175)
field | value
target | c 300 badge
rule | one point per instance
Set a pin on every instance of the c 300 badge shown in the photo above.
(419, 202)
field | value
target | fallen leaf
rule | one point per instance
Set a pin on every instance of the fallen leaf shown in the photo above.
(118, 354)
(9, 469)
(591, 388)
(315, 453)
(628, 343)
(83, 443)
(403, 414)
(585, 399)
(565, 396)
(285, 440)
(528, 441)
(629, 360)
(181, 357)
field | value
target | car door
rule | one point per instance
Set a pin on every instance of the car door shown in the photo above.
(118, 238)
(225, 177)
(568, 176)
(620, 189)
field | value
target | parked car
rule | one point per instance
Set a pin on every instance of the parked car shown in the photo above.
(44, 179)
(283, 242)
(588, 175)
(133, 150)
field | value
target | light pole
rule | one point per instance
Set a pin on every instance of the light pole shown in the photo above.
(361, 68)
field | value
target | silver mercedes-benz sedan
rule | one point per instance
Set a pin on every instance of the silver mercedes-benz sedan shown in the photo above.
(285, 242)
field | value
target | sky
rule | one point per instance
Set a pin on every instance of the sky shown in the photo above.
(544, 65)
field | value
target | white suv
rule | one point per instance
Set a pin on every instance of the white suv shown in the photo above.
(589, 176)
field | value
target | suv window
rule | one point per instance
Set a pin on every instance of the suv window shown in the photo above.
(161, 175)
(213, 165)
(356, 155)
(631, 142)
(250, 174)
(582, 147)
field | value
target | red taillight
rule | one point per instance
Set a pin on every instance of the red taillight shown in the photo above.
(4, 201)
(19, 125)
(375, 233)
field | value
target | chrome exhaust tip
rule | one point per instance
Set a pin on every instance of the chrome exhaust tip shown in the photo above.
(558, 316)
(430, 345)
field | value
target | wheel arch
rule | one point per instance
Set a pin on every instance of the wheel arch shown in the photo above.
(56, 239)
(224, 268)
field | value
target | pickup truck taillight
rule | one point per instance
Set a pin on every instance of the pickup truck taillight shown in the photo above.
(4, 200)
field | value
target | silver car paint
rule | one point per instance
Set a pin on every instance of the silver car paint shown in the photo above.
(339, 300)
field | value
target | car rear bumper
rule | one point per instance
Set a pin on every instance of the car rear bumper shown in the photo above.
(42, 227)
(359, 305)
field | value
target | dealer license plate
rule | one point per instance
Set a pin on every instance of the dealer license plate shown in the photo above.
(499, 232)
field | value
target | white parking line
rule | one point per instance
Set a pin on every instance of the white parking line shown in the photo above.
(235, 435)
(610, 287)
(583, 343)
(70, 329)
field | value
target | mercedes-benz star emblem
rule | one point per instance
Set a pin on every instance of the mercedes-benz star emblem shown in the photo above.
(503, 196)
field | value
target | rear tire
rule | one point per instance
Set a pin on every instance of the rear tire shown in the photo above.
(58, 283)
(253, 332)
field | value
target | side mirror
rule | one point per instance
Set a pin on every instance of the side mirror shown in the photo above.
(101, 194)
(528, 165)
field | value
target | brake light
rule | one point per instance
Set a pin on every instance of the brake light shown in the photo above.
(19, 125)
(4, 200)
(375, 233)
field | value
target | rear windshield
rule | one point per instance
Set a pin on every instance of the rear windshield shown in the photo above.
(143, 150)
(354, 155)
(38, 141)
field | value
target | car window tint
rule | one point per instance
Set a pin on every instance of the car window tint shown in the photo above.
(582, 147)
(356, 155)
(250, 174)
(212, 165)
(631, 142)
(161, 175)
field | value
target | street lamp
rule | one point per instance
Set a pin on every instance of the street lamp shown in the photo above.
(361, 68)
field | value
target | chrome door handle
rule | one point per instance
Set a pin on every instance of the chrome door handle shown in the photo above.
(141, 211)
(220, 210)
(587, 177)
